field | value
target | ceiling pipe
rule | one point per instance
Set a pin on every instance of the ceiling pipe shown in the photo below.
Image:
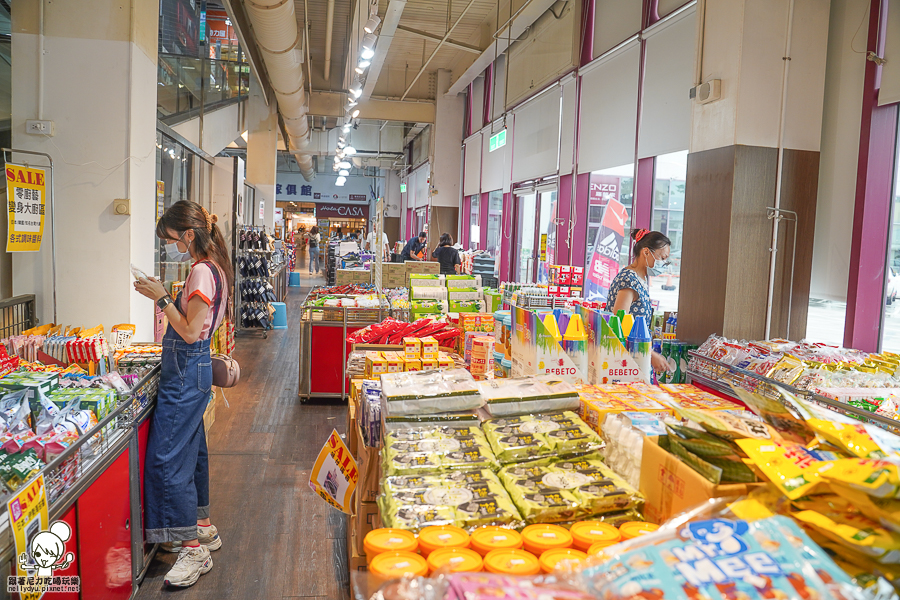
(389, 26)
(329, 30)
(440, 44)
(277, 35)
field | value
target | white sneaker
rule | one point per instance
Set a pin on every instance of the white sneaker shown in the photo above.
(191, 564)
(209, 537)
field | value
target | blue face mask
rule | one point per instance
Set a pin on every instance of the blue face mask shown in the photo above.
(660, 266)
(174, 254)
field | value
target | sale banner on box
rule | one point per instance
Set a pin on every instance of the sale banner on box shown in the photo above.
(604, 265)
(335, 474)
(26, 194)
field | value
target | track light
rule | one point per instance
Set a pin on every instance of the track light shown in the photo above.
(359, 70)
(355, 113)
(340, 181)
(342, 138)
(372, 24)
(341, 145)
(368, 42)
(344, 165)
(367, 53)
(337, 159)
(346, 127)
(363, 64)
(352, 103)
(349, 150)
(343, 172)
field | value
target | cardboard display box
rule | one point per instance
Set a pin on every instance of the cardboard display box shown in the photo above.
(351, 437)
(368, 461)
(366, 519)
(355, 555)
(349, 276)
(671, 487)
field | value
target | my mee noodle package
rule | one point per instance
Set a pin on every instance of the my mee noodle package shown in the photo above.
(421, 450)
(552, 491)
(467, 499)
(526, 437)
(524, 395)
(428, 392)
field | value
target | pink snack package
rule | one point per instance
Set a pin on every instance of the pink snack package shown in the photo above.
(488, 586)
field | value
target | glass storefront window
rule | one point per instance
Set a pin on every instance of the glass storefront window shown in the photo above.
(525, 222)
(475, 222)
(668, 218)
(890, 327)
(616, 184)
(495, 217)
(546, 236)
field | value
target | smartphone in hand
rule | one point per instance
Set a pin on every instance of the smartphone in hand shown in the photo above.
(138, 274)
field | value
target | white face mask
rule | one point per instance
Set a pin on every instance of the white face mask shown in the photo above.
(660, 266)
(174, 254)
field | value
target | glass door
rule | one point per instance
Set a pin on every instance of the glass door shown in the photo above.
(526, 232)
(547, 236)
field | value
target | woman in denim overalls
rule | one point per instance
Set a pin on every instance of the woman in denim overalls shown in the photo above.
(176, 471)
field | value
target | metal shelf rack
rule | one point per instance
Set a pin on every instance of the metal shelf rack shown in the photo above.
(718, 376)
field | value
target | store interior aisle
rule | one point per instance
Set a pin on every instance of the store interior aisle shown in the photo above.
(279, 539)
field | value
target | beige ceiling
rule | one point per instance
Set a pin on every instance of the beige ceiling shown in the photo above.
(408, 51)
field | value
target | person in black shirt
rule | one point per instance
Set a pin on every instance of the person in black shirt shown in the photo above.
(447, 255)
(413, 247)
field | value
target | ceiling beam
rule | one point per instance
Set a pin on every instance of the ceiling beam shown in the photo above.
(522, 20)
(389, 26)
(437, 38)
(330, 104)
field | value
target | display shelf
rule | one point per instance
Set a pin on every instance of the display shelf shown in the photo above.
(533, 300)
(719, 376)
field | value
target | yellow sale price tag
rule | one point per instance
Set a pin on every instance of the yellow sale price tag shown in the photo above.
(335, 474)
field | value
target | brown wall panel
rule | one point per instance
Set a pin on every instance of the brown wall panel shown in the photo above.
(747, 283)
(704, 255)
(392, 229)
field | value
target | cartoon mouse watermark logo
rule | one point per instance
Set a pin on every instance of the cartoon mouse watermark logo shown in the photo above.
(45, 554)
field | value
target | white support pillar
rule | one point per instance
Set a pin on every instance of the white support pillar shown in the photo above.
(262, 151)
(98, 86)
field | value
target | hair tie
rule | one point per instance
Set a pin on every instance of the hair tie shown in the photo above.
(209, 219)
(641, 233)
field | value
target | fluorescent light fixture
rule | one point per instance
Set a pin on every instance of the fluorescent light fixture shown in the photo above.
(344, 164)
(349, 150)
(372, 24)
(343, 172)
(354, 114)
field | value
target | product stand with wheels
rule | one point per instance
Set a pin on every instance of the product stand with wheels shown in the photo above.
(324, 348)
(96, 487)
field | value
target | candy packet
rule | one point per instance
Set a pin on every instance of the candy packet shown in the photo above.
(856, 532)
(878, 478)
(795, 470)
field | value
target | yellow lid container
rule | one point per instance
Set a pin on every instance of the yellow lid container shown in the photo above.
(485, 539)
(442, 536)
(539, 538)
(588, 533)
(511, 562)
(393, 565)
(633, 529)
(378, 541)
(599, 547)
(458, 559)
(551, 558)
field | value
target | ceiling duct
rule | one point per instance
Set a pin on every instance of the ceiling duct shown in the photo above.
(277, 36)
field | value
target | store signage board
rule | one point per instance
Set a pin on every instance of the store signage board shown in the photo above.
(335, 474)
(262, 209)
(26, 194)
(292, 187)
(341, 211)
(279, 215)
(498, 140)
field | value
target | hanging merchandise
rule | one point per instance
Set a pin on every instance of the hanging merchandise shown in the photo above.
(259, 267)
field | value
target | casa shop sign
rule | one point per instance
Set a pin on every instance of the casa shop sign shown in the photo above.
(344, 211)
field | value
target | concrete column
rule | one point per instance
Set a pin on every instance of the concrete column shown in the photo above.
(262, 151)
(770, 57)
(97, 83)
(446, 160)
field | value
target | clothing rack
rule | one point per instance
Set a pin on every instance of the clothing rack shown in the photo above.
(254, 291)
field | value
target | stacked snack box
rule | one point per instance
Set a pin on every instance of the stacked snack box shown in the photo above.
(482, 362)
(393, 275)
(475, 324)
(566, 281)
(351, 276)
(597, 401)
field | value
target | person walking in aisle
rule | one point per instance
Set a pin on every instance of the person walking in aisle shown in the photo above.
(313, 248)
(413, 248)
(630, 289)
(447, 255)
(176, 471)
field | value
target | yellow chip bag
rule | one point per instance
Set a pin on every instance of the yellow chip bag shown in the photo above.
(857, 533)
(851, 438)
(886, 510)
(879, 478)
(791, 467)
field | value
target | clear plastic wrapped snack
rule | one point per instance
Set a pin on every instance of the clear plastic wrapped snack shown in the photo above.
(528, 395)
(429, 392)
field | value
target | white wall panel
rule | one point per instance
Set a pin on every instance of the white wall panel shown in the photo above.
(536, 137)
(498, 106)
(668, 73)
(495, 165)
(569, 121)
(423, 175)
(614, 22)
(608, 120)
(472, 176)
